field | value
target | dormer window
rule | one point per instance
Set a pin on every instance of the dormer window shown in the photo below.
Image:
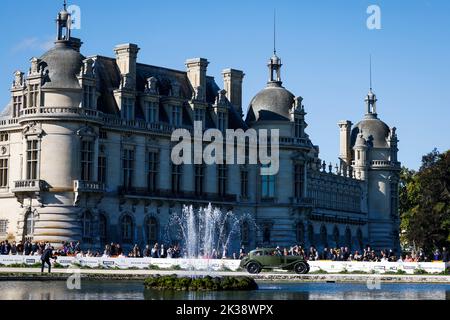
(34, 95)
(177, 116)
(152, 112)
(88, 97)
(128, 108)
(17, 105)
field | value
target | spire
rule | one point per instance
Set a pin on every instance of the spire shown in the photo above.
(371, 98)
(274, 62)
(274, 32)
(370, 71)
(65, 5)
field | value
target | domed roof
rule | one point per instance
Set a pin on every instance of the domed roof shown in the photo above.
(272, 103)
(374, 131)
(63, 63)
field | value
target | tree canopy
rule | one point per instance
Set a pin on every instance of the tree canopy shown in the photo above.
(425, 203)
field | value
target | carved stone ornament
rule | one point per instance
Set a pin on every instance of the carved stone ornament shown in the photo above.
(33, 129)
(87, 132)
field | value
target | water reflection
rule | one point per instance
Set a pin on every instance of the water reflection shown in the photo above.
(133, 290)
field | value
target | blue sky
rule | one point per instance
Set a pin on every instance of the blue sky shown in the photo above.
(325, 47)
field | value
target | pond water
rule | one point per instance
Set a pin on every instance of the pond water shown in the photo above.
(134, 290)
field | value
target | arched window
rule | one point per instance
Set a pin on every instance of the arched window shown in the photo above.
(348, 238)
(266, 234)
(359, 237)
(151, 229)
(29, 225)
(324, 236)
(311, 235)
(336, 236)
(300, 233)
(87, 226)
(127, 229)
(245, 233)
(102, 228)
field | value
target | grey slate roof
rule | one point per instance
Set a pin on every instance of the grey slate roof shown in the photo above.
(63, 64)
(271, 103)
(374, 131)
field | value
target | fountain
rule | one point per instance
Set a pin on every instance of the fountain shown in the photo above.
(206, 233)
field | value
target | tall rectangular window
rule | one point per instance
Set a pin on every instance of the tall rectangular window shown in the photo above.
(3, 226)
(32, 159)
(34, 95)
(199, 179)
(4, 136)
(298, 180)
(177, 174)
(152, 114)
(128, 108)
(268, 186)
(244, 183)
(153, 168)
(128, 167)
(87, 156)
(221, 179)
(17, 105)
(176, 116)
(88, 96)
(101, 169)
(3, 173)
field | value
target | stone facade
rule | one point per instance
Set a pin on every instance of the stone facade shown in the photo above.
(85, 155)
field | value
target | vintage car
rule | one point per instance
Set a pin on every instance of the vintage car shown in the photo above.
(273, 259)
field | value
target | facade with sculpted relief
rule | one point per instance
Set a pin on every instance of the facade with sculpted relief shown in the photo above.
(85, 155)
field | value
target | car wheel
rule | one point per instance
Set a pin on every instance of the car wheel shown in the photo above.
(253, 268)
(301, 268)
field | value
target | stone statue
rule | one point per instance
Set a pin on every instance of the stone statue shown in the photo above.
(221, 98)
(18, 79)
(151, 85)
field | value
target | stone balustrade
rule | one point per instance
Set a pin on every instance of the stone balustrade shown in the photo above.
(29, 186)
(88, 186)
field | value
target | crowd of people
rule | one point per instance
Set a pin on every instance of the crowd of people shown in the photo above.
(175, 251)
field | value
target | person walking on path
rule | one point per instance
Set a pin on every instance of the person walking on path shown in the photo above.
(46, 256)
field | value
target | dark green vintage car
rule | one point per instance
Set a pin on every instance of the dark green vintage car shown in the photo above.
(269, 258)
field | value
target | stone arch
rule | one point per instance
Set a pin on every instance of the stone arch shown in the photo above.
(300, 233)
(151, 229)
(87, 224)
(348, 238)
(336, 236)
(103, 228)
(324, 235)
(311, 234)
(127, 226)
(359, 238)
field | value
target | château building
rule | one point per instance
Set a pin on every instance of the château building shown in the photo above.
(85, 148)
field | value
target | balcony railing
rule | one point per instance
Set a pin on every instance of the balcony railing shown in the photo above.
(29, 186)
(308, 202)
(88, 186)
(184, 195)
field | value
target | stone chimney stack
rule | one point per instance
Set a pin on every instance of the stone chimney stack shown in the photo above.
(196, 73)
(232, 83)
(345, 151)
(126, 58)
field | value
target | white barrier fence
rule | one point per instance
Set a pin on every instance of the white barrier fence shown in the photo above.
(225, 264)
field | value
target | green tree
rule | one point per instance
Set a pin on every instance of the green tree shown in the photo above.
(425, 202)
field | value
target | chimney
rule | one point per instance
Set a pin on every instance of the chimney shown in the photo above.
(345, 150)
(126, 57)
(196, 73)
(232, 83)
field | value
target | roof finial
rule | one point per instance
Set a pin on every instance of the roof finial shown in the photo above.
(65, 5)
(274, 31)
